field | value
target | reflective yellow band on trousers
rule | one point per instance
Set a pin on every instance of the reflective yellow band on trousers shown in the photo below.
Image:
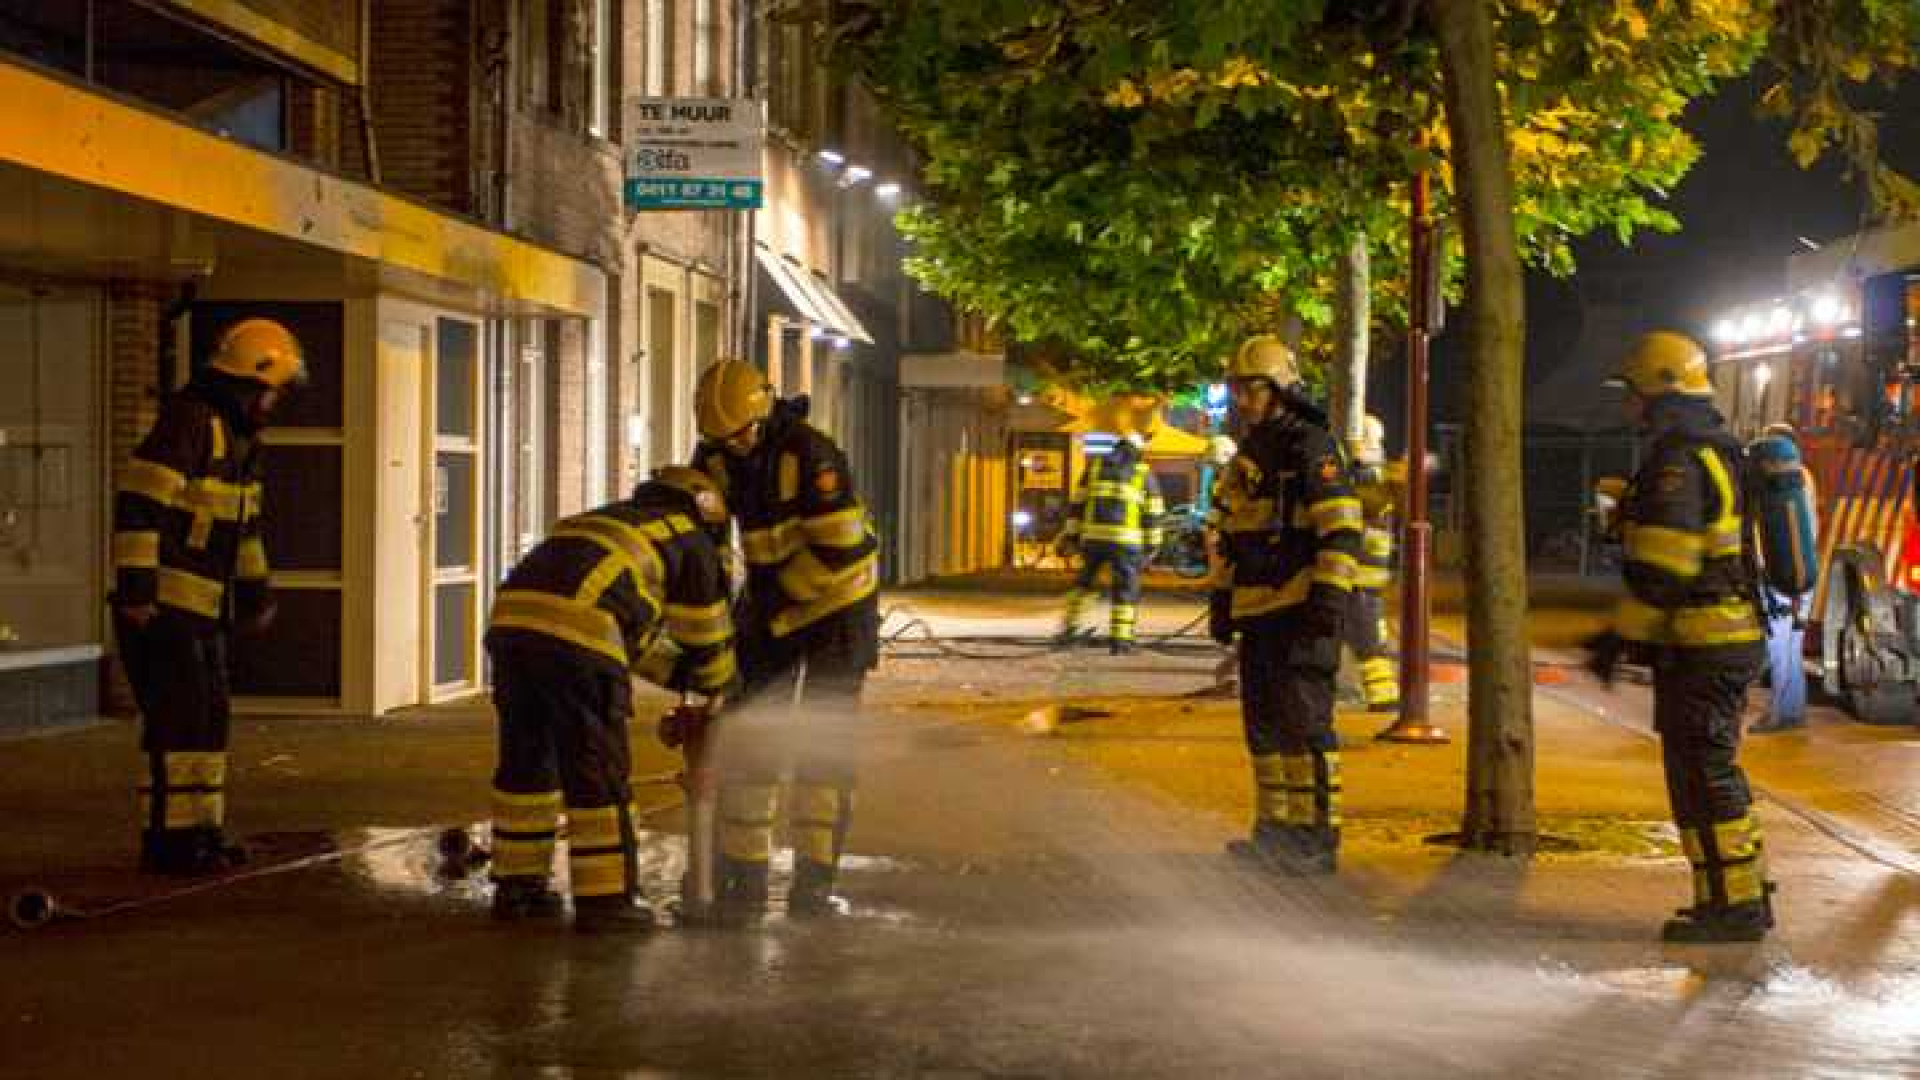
(746, 821)
(524, 828)
(1270, 788)
(1299, 787)
(596, 851)
(589, 628)
(193, 793)
(190, 592)
(817, 811)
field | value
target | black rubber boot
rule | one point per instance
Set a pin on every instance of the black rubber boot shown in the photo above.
(812, 895)
(742, 894)
(1717, 924)
(195, 852)
(612, 915)
(1293, 850)
(518, 898)
(1120, 647)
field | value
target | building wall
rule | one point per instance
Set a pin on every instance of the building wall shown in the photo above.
(420, 69)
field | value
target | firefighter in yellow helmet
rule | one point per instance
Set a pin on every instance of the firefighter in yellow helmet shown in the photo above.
(189, 567)
(634, 587)
(1114, 523)
(1378, 483)
(1290, 529)
(1690, 611)
(809, 633)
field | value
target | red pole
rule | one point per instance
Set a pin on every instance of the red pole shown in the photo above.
(1417, 532)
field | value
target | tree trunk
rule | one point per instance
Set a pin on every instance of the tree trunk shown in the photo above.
(1347, 391)
(1499, 804)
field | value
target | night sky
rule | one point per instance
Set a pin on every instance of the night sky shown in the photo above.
(1743, 209)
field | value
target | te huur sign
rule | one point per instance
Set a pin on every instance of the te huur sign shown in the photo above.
(694, 154)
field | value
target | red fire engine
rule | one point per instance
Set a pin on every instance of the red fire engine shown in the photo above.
(1839, 359)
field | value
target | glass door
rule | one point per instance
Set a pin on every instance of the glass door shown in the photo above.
(454, 606)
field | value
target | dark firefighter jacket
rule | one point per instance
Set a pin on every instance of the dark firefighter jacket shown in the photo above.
(1118, 502)
(809, 550)
(1288, 520)
(1681, 522)
(186, 515)
(606, 583)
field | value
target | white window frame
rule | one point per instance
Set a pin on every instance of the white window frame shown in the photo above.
(600, 63)
(705, 31)
(659, 59)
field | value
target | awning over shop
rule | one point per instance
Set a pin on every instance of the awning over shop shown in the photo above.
(809, 296)
(112, 183)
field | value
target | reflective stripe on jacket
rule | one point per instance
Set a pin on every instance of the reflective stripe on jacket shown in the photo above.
(810, 549)
(1288, 519)
(636, 585)
(1118, 502)
(1681, 520)
(187, 514)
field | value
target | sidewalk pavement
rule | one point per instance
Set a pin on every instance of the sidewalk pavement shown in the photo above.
(1145, 724)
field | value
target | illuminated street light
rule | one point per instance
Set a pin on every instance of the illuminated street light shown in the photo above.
(1779, 321)
(858, 174)
(888, 190)
(833, 157)
(1827, 310)
(1725, 332)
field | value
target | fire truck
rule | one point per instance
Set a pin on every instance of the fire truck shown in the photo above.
(1839, 359)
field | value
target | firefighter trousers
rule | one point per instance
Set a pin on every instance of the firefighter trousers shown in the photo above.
(177, 668)
(1365, 631)
(1123, 563)
(800, 711)
(1697, 705)
(563, 740)
(1286, 704)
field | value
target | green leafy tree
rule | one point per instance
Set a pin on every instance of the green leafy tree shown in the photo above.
(1145, 181)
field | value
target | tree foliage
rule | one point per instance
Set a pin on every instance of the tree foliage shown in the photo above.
(1147, 181)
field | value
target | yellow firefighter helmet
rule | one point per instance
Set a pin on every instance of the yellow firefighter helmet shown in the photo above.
(730, 395)
(1265, 357)
(698, 486)
(1662, 363)
(261, 350)
(1371, 450)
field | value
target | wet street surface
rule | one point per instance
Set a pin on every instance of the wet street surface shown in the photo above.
(1033, 895)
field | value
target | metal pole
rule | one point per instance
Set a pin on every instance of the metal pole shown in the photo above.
(1417, 540)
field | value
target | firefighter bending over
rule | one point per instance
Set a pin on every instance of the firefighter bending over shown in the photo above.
(809, 631)
(635, 586)
(1290, 536)
(1689, 610)
(189, 565)
(1114, 522)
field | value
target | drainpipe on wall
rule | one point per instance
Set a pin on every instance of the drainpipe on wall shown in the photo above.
(368, 144)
